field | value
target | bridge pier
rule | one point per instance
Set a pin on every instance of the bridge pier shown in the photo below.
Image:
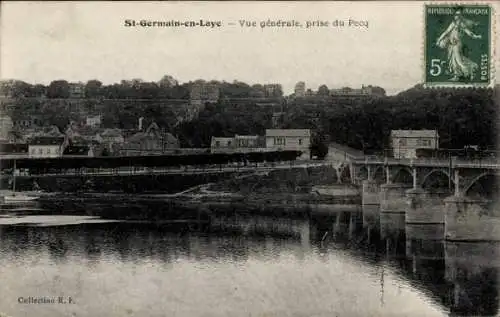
(392, 208)
(468, 219)
(423, 209)
(370, 198)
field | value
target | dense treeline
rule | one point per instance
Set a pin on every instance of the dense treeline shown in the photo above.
(461, 116)
(166, 88)
(217, 120)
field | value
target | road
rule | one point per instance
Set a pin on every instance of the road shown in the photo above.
(488, 163)
(187, 170)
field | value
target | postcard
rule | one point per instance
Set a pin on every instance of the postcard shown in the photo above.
(249, 158)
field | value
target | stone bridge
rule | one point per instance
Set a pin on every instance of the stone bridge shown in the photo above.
(460, 196)
(461, 177)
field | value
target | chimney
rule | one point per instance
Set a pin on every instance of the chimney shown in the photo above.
(140, 123)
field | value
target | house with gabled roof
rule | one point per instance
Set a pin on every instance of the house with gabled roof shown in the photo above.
(406, 142)
(152, 141)
(289, 140)
(47, 146)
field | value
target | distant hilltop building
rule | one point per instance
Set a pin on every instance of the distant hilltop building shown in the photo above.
(340, 93)
(204, 92)
(363, 91)
(300, 89)
(6, 88)
(77, 90)
(273, 90)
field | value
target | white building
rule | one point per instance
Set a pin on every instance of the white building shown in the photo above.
(93, 121)
(289, 140)
(45, 147)
(221, 145)
(300, 89)
(6, 126)
(237, 144)
(406, 142)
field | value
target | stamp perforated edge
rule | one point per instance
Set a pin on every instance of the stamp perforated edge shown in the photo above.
(493, 39)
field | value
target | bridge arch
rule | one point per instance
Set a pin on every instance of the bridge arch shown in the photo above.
(402, 175)
(378, 174)
(433, 172)
(485, 184)
(362, 173)
(437, 180)
(345, 174)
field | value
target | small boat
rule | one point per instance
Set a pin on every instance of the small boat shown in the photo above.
(19, 198)
(14, 197)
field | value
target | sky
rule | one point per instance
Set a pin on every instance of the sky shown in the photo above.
(79, 41)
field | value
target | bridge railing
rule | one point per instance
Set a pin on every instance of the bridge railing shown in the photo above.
(141, 170)
(458, 162)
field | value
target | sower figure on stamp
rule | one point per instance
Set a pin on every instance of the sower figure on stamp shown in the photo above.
(458, 64)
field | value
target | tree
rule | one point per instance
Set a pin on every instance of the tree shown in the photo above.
(20, 89)
(93, 88)
(167, 81)
(319, 145)
(105, 152)
(323, 90)
(38, 90)
(58, 89)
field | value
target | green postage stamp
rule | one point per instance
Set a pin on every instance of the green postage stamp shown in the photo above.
(458, 45)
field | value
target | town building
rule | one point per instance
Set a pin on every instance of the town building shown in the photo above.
(77, 134)
(6, 126)
(76, 90)
(247, 141)
(202, 92)
(50, 131)
(93, 121)
(357, 92)
(310, 93)
(237, 144)
(112, 138)
(300, 89)
(25, 122)
(406, 142)
(278, 119)
(222, 145)
(273, 90)
(13, 150)
(85, 148)
(153, 141)
(289, 140)
(47, 146)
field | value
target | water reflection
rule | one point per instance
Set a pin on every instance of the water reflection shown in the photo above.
(343, 264)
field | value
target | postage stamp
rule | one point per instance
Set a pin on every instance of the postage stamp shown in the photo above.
(458, 42)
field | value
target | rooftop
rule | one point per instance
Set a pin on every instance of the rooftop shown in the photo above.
(47, 140)
(76, 150)
(288, 132)
(414, 133)
(13, 147)
(112, 133)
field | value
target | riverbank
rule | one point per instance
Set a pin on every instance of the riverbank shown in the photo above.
(291, 193)
(200, 202)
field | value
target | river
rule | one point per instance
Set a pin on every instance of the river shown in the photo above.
(338, 265)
